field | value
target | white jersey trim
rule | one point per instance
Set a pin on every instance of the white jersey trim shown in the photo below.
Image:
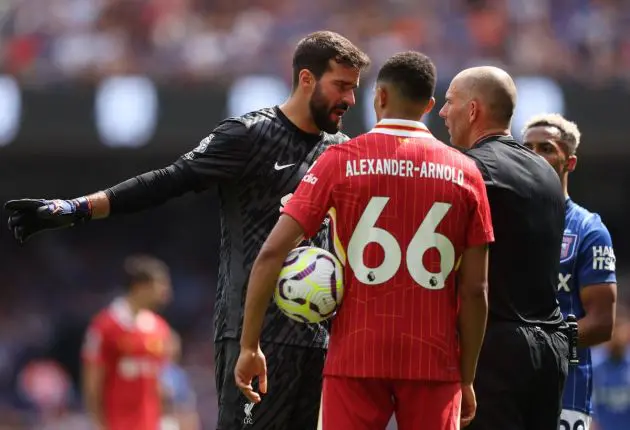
(401, 128)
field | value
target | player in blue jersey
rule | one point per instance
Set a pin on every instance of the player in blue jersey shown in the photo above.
(611, 377)
(587, 286)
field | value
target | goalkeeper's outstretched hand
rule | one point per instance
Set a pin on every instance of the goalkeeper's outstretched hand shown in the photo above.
(30, 216)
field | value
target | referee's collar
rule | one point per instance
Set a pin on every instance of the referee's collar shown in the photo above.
(490, 137)
(401, 127)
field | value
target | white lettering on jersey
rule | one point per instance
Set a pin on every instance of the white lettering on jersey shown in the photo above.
(616, 398)
(284, 200)
(574, 420)
(603, 258)
(563, 282)
(404, 168)
(310, 179)
(134, 367)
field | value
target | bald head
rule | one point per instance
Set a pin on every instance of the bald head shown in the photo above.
(493, 88)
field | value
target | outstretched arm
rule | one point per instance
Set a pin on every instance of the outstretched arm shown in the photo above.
(100, 205)
(30, 216)
(144, 191)
(220, 156)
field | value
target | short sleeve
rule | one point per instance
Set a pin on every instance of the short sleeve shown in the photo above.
(479, 229)
(222, 155)
(313, 197)
(94, 349)
(477, 154)
(596, 258)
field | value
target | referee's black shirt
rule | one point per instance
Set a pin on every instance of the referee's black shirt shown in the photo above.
(527, 203)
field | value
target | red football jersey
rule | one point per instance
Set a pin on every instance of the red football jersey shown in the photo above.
(403, 208)
(132, 351)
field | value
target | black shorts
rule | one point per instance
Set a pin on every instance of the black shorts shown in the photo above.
(294, 386)
(520, 378)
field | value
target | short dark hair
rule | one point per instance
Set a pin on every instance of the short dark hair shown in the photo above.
(315, 51)
(412, 73)
(141, 268)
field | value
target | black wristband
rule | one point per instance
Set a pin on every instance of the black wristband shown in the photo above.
(149, 189)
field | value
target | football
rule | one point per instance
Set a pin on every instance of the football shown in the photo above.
(310, 285)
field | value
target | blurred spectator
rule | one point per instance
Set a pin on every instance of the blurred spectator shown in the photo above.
(611, 377)
(179, 398)
(53, 286)
(65, 40)
(46, 385)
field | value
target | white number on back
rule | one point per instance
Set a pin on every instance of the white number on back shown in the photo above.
(424, 239)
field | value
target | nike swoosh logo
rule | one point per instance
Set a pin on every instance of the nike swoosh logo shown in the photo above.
(282, 166)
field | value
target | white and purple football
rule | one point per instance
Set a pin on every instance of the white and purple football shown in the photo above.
(310, 285)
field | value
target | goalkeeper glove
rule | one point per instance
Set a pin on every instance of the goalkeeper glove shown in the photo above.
(30, 216)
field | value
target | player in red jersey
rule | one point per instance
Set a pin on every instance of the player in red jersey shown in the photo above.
(410, 215)
(124, 351)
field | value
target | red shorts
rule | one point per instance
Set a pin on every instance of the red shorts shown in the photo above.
(366, 404)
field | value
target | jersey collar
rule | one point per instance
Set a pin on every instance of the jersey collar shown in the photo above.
(121, 312)
(401, 127)
(493, 136)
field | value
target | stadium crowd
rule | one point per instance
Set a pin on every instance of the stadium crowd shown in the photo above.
(200, 40)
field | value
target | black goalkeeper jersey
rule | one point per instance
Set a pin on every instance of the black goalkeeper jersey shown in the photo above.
(256, 160)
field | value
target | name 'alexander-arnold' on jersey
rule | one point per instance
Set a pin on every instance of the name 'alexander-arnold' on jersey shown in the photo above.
(404, 168)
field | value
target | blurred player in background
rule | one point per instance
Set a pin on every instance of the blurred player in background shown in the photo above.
(256, 160)
(406, 209)
(524, 359)
(611, 377)
(179, 401)
(586, 282)
(125, 350)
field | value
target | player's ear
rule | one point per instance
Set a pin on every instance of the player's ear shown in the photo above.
(473, 110)
(571, 163)
(382, 96)
(430, 105)
(307, 80)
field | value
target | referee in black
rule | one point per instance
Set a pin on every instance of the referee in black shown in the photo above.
(524, 359)
(256, 160)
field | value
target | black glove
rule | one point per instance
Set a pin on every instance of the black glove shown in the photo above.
(30, 216)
